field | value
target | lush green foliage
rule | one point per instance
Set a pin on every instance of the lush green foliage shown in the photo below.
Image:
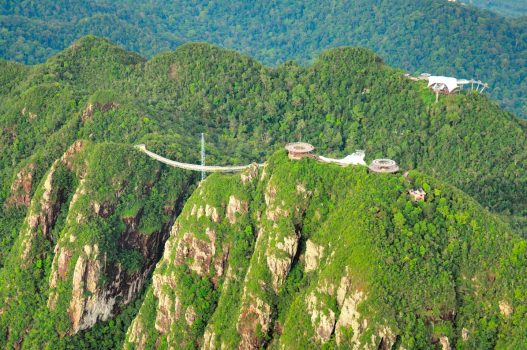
(346, 100)
(424, 36)
(428, 269)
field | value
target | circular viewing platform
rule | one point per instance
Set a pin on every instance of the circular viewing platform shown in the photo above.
(383, 166)
(299, 150)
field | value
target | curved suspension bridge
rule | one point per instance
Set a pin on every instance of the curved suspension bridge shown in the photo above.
(194, 167)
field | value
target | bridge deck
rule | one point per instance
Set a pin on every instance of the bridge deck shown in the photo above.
(194, 167)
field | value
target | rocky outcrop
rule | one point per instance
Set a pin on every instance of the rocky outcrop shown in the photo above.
(322, 318)
(93, 301)
(207, 211)
(31, 116)
(88, 112)
(279, 263)
(254, 321)
(88, 303)
(21, 188)
(236, 206)
(43, 213)
(198, 253)
(445, 343)
(101, 286)
(60, 268)
(350, 318)
(505, 308)
(137, 335)
(313, 255)
(249, 174)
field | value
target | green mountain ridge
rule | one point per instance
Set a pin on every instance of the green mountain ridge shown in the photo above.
(308, 255)
(85, 216)
(435, 36)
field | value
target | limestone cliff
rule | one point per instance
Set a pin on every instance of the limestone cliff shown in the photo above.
(95, 229)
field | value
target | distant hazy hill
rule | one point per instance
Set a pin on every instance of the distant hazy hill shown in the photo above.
(433, 36)
(84, 216)
(513, 8)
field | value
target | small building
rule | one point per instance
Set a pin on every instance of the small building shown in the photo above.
(417, 194)
(299, 150)
(383, 166)
(443, 85)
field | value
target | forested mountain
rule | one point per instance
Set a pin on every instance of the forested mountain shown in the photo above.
(85, 216)
(513, 8)
(433, 36)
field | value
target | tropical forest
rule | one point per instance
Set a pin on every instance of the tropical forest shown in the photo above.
(263, 175)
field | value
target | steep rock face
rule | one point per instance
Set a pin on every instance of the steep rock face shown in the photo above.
(101, 223)
(49, 200)
(21, 187)
(38, 232)
(101, 283)
(260, 260)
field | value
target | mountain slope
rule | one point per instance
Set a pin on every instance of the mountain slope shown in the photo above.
(348, 99)
(424, 36)
(67, 130)
(301, 254)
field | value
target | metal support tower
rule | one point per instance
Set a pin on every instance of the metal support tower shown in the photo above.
(202, 155)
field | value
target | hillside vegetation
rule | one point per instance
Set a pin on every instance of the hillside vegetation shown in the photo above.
(300, 255)
(85, 216)
(433, 36)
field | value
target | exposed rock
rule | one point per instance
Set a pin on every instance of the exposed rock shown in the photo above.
(300, 188)
(249, 174)
(169, 305)
(465, 334)
(322, 318)
(505, 308)
(253, 322)
(59, 268)
(137, 334)
(209, 342)
(92, 301)
(209, 211)
(278, 265)
(68, 157)
(387, 339)
(314, 253)
(445, 343)
(212, 213)
(270, 195)
(350, 317)
(236, 206)
(276, 213)
(89, 303)
(344, 287)
(103, 210)
(87, 114)
(63, 260)
(190, 315)
(220, 261)
(46, 216)
(198, 251)
(21, 187)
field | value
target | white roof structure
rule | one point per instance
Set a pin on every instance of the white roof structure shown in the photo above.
(357, 158)
(439, 81)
